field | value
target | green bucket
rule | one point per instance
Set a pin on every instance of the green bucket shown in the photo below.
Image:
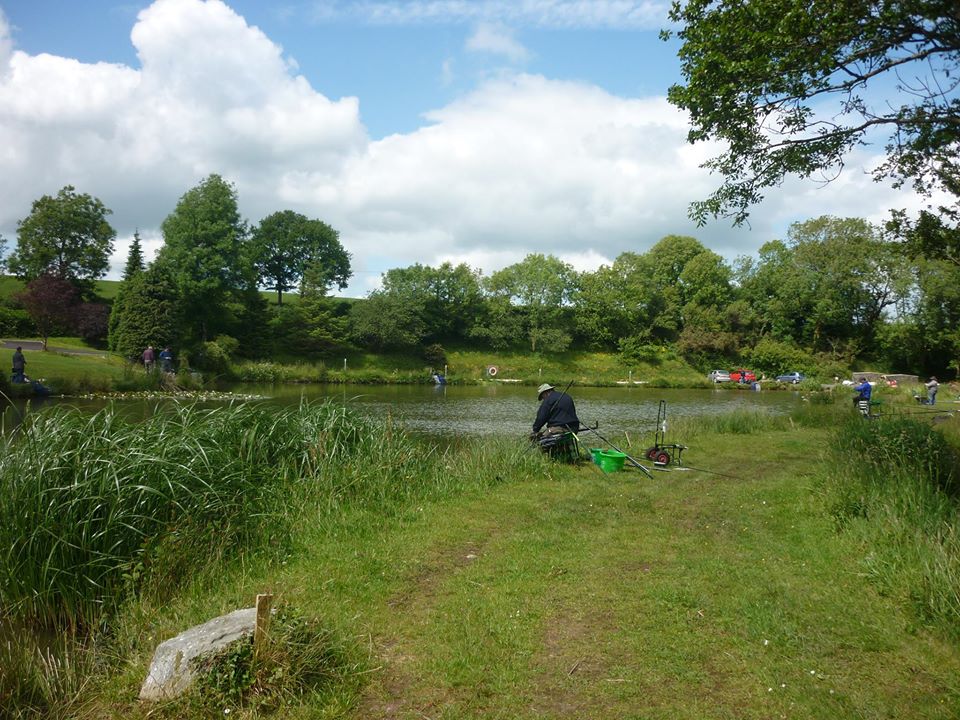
(611, 461)
(595, 454)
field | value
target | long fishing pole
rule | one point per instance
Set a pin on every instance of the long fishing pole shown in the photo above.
(631, 459)
(696, 469)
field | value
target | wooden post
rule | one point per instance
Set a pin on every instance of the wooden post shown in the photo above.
(262, 625)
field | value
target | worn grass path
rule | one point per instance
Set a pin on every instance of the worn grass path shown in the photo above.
(583, 595)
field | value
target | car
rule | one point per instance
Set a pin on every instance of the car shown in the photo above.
(741, 375)
(792, 377)
(719, 376)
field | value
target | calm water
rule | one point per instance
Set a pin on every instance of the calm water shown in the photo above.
(492, 409)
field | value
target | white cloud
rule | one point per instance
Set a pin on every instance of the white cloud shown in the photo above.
(556, 14)
(497, 40)
(521, 164)
(212, 95)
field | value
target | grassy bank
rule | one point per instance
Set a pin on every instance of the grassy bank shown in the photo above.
(473, 366)
(69, 373)
(484, 581)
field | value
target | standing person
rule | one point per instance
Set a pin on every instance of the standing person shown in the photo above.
(149, 358)
(166, 360)
(19, 366)
(557, 411)
(932, 388)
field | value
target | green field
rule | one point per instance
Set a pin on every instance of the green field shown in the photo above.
(486, 581)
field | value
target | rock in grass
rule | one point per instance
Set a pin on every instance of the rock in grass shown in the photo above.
(172, 669)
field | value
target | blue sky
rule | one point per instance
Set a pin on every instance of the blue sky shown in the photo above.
(424, 130)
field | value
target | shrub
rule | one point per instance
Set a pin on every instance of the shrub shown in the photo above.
(635, 350)
(435, 356)
(777, 357)
(16, 323)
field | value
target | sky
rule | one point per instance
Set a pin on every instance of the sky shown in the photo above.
(425, 131)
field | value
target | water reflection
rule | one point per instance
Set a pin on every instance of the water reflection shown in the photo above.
(489, 409)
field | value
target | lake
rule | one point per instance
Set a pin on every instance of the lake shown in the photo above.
(464, 410)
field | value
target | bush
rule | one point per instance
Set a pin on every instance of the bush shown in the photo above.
(435, 356)
(777, 357)
(635, 350)
(16, 323)
(215, 355)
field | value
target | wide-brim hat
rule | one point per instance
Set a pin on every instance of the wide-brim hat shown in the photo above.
(543, 388)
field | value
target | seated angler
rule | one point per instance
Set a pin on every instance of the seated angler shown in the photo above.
(557, 413)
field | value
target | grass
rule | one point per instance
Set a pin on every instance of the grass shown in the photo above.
(894, 484)
(483, 581)
(68, 374)
(94, 507)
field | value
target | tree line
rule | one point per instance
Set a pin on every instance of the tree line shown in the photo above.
(835, 292)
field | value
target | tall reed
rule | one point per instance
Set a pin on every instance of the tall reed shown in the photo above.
(92, 506)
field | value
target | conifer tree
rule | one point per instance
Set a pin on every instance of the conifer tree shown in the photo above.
(134, 258)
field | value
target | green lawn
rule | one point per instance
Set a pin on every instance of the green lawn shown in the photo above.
(569, 593)
(69, 373)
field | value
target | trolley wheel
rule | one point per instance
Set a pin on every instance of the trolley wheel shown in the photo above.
(662, 458)
(651, 453)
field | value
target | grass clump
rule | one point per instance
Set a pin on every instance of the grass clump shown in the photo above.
(302, 662)
(892, 483)
(34, 680)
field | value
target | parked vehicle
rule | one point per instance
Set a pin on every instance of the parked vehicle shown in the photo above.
(719, 376)
(793, 377)
(741, 375)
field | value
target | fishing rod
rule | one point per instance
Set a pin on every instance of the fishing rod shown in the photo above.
(631, 459)
(920, 412)
(696, 469)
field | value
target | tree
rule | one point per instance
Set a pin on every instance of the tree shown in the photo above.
(615, 301)
(135, 262)
(321, 326)
(90, 321)
(285, 243)
(383, 321)
(448, 298)
(541, 286)
(145, 313)
(827, 288)
(50, 302)
(3, 253)
(667, 260)
(66, 237)
(791, 86)
(203, 255)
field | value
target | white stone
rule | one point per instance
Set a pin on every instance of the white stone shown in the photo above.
(171, 671)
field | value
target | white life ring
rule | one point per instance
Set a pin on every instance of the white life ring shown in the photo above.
(492, 371)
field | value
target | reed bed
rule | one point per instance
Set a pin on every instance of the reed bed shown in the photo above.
(93, 507)
(894, 484)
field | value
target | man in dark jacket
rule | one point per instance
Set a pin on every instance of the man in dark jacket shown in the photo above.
(556, 412)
